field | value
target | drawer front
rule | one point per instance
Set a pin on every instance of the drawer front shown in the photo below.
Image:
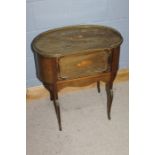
(76, 66)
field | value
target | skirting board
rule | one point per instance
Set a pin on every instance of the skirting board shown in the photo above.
(37, 92)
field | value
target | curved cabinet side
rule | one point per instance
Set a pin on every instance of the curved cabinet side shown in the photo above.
(115, 59)
(46, 68)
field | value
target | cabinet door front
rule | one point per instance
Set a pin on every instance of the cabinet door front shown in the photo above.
(76, 66)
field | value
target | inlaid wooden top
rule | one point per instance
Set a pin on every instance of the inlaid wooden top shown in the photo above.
(76, 39)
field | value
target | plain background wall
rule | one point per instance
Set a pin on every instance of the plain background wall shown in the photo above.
(46, 14)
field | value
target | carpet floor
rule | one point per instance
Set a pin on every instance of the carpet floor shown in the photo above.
(86, 129)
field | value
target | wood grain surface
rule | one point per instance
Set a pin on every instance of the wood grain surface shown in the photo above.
(76, 39)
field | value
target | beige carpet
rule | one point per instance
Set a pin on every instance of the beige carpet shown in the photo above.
(86, 129)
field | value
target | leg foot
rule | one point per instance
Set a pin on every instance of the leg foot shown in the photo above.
(109, 92)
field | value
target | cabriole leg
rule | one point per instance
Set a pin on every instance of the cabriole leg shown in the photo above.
(109, 92)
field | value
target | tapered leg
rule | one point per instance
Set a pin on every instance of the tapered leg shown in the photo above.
(98, 86)
(109, 92)
(50, 89)
(57, 110)
(56, 106)
(54, 97)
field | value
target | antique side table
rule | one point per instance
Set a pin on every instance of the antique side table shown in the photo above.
(77, 56)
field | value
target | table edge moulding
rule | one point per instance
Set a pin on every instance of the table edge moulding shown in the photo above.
(77, 56)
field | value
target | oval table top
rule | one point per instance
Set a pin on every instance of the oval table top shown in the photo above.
(76, 39)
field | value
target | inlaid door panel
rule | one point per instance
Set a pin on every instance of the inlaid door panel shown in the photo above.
(75, 66)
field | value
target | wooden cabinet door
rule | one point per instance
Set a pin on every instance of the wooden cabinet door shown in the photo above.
(80, 65)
